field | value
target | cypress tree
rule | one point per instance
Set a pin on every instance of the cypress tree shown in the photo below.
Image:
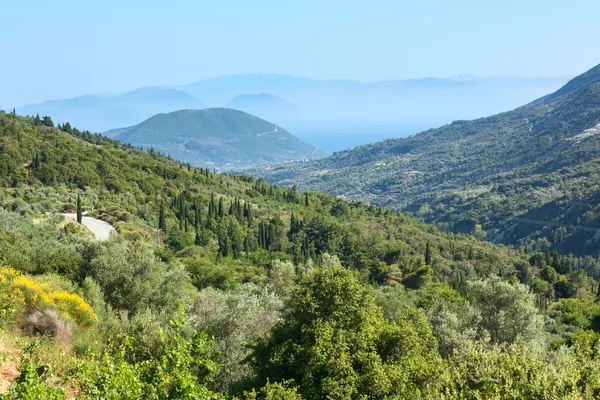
(261, 242)
(162, 223)
(211, 206)
(246, 245)
(427, 254)
(221, 208)
(185, 218)
(79, 212)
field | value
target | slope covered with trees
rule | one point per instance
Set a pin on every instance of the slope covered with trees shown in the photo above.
(528, 177)
(218, 286)
(217, 138)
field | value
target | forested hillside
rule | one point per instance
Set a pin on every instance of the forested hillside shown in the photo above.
(528, 177)
(219, 286)
(219, 138)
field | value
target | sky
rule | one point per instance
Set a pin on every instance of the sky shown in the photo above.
(63, 48)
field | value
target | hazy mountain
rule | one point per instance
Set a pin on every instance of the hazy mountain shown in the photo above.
(529, 174)
(338, 114)
(217, 137)
(332, 114)
(100, 113)
(264, 105)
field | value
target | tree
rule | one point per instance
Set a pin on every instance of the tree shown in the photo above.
(508, 313)
(234, 319)
(549, 274)
(134, 279)
(221, 210)
(47, 121)
(479, 232)
(335, 343)
(162, 222)
(427, 254)
(274, 391)
(79, 212)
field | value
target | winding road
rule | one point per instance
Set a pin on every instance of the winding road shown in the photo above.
(100, 229)
(264, 133)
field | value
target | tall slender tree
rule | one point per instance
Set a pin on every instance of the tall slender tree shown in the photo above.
(428, 253)
(221, 208)
(162, 223)
(79, 212)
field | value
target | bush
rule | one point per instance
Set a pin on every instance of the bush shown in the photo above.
(133, 278)
(235, 319)
(31, 386)
(275, 391)
(68, 207)
(20, 291)
(48, 323)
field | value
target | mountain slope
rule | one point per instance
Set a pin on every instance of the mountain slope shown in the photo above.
(529, 174)
(205, 264)
(217, 137)
(44, 169)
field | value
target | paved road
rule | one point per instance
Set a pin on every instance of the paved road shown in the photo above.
(99, 228)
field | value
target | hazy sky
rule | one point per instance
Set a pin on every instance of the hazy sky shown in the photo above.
(62, 48)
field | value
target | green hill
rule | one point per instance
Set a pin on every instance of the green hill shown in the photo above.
(217, 137)
(219, 285)
(528, 176)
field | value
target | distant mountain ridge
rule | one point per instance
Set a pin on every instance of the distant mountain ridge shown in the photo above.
(264, 105)
(217, 137)
(327, 112)
(101, 113)
(528, 177)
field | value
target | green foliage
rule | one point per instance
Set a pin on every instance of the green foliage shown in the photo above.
(32, 384)
(235, 319)
(274, 391)
(335, 343)
(175, 370)
(583, 313)
(508, 312)
(338, 299)
(132, 278)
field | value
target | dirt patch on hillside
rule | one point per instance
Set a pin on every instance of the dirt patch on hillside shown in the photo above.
(9, 365)
(318, 173)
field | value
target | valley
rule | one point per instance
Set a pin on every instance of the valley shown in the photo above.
(526, 176)
(299, 201)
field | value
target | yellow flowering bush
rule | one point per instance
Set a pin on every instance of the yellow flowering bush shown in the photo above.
(18, 291)
(11, 300)
(35, 293)
(73, 306)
